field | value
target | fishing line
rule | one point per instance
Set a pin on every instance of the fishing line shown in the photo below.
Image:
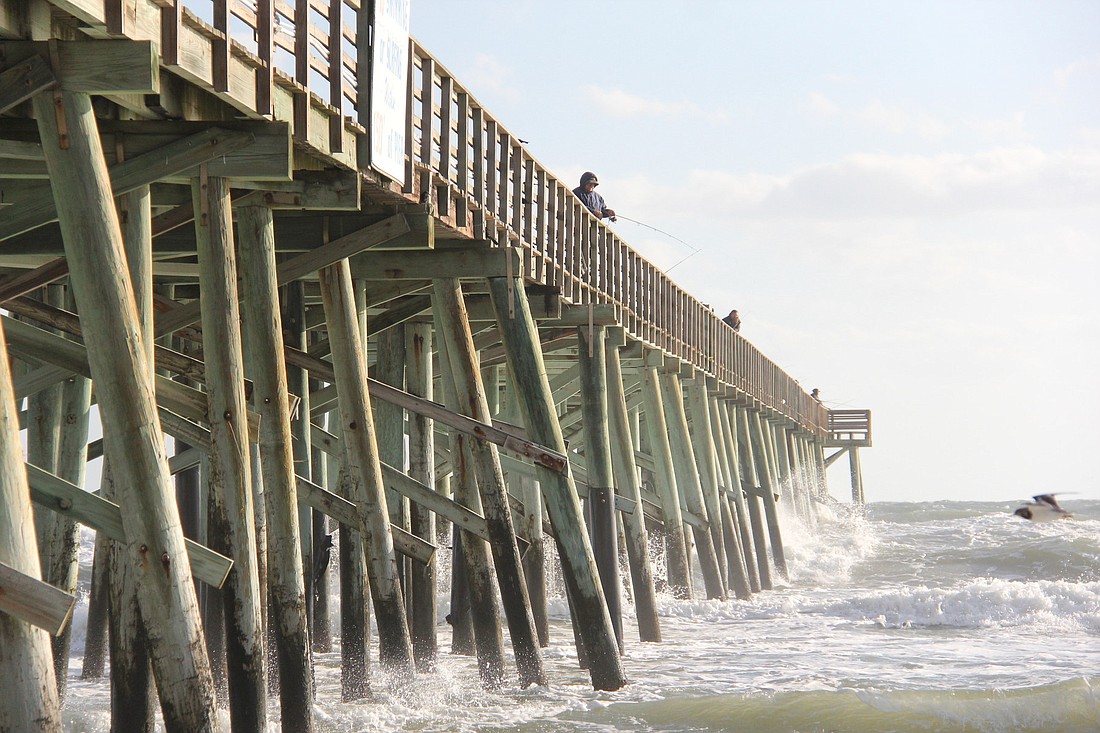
(694, 250)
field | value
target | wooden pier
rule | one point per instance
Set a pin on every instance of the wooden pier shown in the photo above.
(371, 329)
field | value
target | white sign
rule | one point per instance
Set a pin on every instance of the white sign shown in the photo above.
(389, 87)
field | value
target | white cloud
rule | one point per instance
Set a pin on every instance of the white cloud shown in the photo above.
(491, 78)
(822, 105)
(624, 105)
(1010, 128)
(896, 118)
(880, 186)
(902, 120)
(1083, 67)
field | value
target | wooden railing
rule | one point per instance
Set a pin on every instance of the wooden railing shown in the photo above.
(850, 426)
(480, 178)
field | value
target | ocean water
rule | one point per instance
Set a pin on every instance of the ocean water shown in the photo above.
(935, 616)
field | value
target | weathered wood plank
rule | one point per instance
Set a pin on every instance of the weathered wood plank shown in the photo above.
(94, 66)
(72, 357)
(300, 266)
(345, 512)
(456, 338)
(40, 208)
(526, 366)
(356, 419)
(30, 689)
(124, 386)
(34, 602)
(418, 264)
(266, 163)
(17, 84)
(410, 488)
(104, 516)
(507, 440)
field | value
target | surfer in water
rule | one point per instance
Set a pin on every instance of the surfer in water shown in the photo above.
(1045, 508)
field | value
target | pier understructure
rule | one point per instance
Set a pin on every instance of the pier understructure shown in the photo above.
(446, 375)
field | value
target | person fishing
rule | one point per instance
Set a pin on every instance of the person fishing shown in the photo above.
(594, 202)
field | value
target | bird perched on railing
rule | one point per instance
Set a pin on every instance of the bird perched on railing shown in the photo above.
(1045, 508)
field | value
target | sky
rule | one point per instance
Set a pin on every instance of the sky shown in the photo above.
(902, 199)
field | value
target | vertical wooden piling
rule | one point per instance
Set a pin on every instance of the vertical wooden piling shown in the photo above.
(474, 590)
(349, 357)
(769, 489)
(230, 483)
(31, 701)
(687, 480)
(741, 519)
(44, 410)
(60, 536)
(729, 488)
(534, 558)
(530, 523)
(524, 355)
(750, 482)
(856, 473)
(597, 452)
(464, 371)
(702, 441)
(124, 386)
(132, 701)
(625, 472)
(285, 582)
(676, 559)
(354, 587)
(320, 635)
(389, 421)
(422, 576)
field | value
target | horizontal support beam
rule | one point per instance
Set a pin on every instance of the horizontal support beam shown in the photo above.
(504, 439)
(546, 305)
(102, 515)
(344, 512)
(266, 162)
(37, 207)
(410, 488)
(70, 357)
(452, 262)
(19, 83)
(34, 602)
(167, 322)
(601, 314)
(327, 190)
(94, 66)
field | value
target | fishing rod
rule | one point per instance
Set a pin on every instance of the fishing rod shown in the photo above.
(694, 250)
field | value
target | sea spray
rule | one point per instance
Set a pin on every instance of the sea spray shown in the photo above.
(935, 616)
